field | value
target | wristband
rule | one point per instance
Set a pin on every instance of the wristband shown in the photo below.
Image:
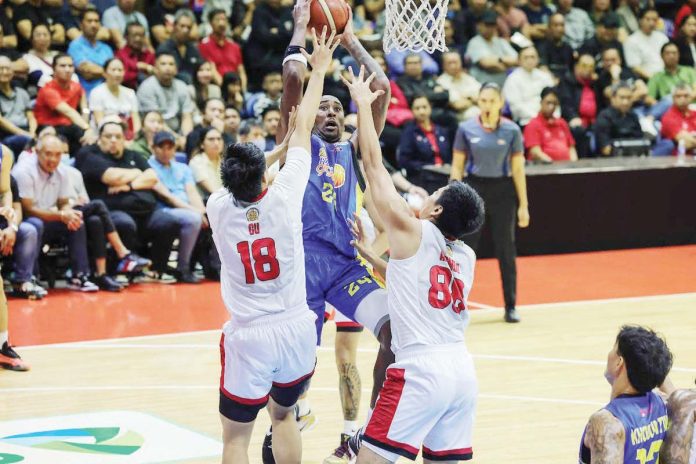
(295, 57)
(293, 49)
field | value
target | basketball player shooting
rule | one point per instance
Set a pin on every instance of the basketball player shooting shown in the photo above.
(429, 396)
(334, 192)
(268, 346)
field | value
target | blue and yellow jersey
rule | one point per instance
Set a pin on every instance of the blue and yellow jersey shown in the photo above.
(334, 192)
(644, 418)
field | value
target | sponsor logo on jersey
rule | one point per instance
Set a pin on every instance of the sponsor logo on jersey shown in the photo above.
(323, 166)
(338, 176)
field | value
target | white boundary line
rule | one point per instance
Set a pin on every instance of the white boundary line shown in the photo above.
(326, 349)
(486, 309)
(214, 387)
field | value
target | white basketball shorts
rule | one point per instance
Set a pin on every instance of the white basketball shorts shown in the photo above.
(273, 358)
(428, 401)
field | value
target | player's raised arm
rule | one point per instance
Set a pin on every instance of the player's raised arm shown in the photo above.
(320, 59)
(392, 208)
(380, 82)
(294, 66)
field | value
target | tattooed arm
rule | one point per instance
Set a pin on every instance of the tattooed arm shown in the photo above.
(682, 415)
(605, 438)
(379, 107)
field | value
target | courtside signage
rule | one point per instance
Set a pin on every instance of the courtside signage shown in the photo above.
(118, 437)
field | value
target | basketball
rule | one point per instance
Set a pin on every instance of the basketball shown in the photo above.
(333, 14)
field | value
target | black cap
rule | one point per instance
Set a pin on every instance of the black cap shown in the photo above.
(610, 20)
(489, 17)
(163, 136)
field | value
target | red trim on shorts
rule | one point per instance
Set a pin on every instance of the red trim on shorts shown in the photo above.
(448, 455)
(223, 390)
(383, 415)
(294, 382)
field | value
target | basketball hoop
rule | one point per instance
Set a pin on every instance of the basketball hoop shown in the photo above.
(415, 25)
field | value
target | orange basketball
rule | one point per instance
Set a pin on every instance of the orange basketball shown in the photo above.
(333, 14)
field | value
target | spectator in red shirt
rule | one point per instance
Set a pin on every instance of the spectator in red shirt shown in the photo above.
(138, 62)
(579, 96)
(223, 52)
(546, 137)
(679, 122)
(61, 103)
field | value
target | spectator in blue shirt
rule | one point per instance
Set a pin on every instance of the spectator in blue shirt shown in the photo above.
(181, 201)
(396, 62)
(88, 53)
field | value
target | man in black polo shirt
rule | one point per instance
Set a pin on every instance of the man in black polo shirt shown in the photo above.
(554, 52)
(606, 36)
(182, 47)
(618, 122)
(124, 181)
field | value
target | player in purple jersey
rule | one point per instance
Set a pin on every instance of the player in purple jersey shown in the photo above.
(632, 426)
(333, 194)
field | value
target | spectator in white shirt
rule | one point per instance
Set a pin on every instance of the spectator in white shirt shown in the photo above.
(112, 98)
(463, 89)
(642, 48)
(523, 87)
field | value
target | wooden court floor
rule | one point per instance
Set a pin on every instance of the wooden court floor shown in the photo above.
(539, 380)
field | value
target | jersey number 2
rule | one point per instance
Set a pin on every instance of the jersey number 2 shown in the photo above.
(445, 290)
(263, 252)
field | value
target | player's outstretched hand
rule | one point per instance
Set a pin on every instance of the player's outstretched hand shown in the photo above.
(360, 89)
(359, 240)
(322, 54)
(300, 14)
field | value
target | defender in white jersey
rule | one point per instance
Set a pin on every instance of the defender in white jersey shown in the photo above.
(429, 396)
(268, 346)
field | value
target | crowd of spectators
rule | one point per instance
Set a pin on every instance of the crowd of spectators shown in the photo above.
(142, 96)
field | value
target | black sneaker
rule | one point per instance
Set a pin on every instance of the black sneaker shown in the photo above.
(106, 282)
(10, 360)
(267, 448)
(81, 283)
(187, 277)
(511, 316)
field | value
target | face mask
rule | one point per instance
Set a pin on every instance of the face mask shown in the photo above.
(261, 143)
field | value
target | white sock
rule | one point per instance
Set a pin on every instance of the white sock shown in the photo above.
(3, 338)
(303, 406)
(350, 427)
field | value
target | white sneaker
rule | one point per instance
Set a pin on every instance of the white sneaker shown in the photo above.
(155, 277)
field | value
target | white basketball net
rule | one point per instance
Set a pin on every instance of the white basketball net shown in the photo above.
(415, 25)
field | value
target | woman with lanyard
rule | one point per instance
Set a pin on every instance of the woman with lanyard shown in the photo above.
(489, 152)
